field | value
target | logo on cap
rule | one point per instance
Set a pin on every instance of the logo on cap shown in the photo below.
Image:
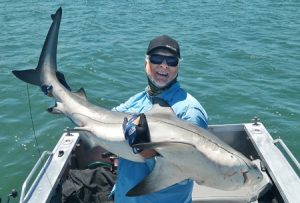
(170, 47)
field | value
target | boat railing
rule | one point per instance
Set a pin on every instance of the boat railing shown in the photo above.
(290, 155)
(52, 166)
(24, 193)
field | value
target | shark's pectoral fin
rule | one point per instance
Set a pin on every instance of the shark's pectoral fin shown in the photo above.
(54, 110)
(79, 129)
(58, 108)
(163, 175)
(156, 145)
(31, 76)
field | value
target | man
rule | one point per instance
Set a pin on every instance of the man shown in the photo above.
(161, 66)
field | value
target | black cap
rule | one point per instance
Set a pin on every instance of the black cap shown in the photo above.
(166, 42)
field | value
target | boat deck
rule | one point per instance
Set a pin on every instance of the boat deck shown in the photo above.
(281, 183)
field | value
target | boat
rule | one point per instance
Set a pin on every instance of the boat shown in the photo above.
(281, 182)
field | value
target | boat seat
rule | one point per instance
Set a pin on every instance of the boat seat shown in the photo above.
(205, 194)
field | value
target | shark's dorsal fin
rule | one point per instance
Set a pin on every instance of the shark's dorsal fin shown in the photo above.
(160, 108)
(81, 93)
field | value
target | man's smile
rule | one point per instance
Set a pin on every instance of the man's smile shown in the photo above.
(163, 74)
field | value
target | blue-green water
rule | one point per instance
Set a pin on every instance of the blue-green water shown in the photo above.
(240, 59)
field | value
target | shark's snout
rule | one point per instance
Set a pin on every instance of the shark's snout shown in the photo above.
(253, 176)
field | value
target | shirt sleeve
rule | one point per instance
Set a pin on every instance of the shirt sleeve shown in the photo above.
(120, 108)
(124, 106)
(196, 116)
(134, 104)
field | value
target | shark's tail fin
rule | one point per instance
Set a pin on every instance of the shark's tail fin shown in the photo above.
(47, 60)
(31, 76)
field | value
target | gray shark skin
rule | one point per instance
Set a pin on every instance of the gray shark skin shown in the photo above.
(186, 150)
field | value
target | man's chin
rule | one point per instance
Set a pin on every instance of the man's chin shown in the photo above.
(160, 85)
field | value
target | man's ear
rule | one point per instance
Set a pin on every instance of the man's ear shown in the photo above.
(147, 66)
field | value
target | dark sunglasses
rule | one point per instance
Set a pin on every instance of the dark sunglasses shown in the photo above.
(158, 59)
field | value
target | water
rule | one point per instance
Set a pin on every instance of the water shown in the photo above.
(240, 60)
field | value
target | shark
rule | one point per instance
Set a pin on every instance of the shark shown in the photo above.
(186, 151)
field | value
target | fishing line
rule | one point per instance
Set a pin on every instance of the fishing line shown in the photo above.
(33, 128)
(32, 123)
(36, 141)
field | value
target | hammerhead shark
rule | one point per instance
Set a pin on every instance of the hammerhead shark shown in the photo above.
(185, 150)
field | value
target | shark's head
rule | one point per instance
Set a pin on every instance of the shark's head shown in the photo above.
(253, 176)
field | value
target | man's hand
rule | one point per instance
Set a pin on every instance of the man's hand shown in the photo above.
(136, 131)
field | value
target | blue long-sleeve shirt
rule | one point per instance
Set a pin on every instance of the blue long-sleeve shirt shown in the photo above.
(130, 173)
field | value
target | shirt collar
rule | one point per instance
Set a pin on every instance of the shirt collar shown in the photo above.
(167, 94)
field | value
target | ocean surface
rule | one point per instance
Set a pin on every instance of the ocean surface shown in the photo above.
(240, 59)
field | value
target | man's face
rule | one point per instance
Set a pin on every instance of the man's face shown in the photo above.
(163, 73)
